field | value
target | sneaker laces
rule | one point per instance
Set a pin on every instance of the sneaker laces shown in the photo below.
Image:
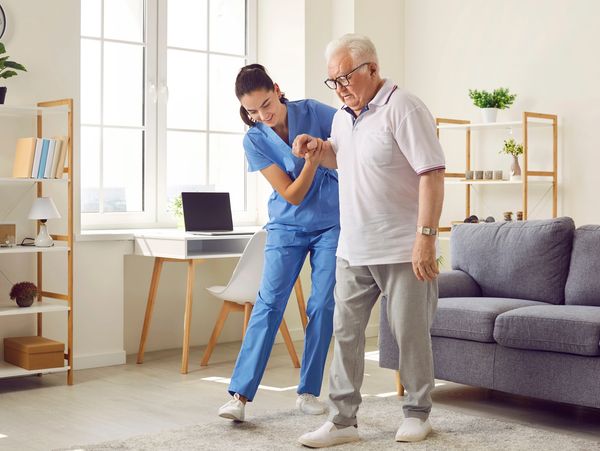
(307, 397)
(234, 400)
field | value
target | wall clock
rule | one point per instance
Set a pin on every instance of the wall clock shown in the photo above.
(2, 21)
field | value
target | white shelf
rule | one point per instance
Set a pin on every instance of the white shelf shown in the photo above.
(8, 370)
(10, 110)
(534, 122)
(32, 249)
(36, 307)
(25, 181)
(495, 182)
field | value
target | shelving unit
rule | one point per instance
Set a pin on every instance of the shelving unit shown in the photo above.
(528, 121)
(47, 302)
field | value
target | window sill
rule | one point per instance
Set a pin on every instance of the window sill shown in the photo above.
(106, 235)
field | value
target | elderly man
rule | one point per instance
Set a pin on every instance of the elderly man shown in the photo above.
(391, 179)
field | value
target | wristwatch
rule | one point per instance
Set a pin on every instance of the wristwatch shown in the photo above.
(429, 231)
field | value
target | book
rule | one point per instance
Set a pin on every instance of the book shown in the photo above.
(50, 158)
(62, 155)
(43, 158)
(24, 155)
(36, 158)
(56, 157)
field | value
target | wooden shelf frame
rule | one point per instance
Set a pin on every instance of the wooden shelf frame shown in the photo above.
(62, 302)
(68, 238)
(528, 120)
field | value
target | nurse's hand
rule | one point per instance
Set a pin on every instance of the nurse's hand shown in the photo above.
(315, 156)
(303, 144)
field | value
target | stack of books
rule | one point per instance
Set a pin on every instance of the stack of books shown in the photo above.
(40, 158)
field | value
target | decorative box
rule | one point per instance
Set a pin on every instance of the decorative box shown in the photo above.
(34, 353)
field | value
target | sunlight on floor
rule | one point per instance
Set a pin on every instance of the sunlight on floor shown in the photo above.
(226, 380)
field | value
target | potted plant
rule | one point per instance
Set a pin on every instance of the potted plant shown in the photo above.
(491, 102)
(23, 293)
(7, 69)
(511, 147)
(176, 209)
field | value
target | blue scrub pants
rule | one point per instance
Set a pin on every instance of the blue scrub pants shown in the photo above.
(285, 253)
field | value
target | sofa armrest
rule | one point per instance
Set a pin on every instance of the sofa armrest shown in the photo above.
(457, 283)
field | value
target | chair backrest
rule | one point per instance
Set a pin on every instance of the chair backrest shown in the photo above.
(245, 280)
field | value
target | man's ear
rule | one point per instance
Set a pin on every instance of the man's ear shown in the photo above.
(373, 69)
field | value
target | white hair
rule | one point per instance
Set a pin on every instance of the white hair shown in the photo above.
(360, 47)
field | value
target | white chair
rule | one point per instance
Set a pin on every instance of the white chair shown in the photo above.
(240, 295)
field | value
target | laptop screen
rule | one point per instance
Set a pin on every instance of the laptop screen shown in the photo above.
(206, 211)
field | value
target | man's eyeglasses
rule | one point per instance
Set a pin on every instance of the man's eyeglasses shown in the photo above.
(342, 80)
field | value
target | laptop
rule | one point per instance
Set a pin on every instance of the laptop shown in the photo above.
(210, 214)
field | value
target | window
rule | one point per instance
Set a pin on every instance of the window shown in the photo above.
(158, 109)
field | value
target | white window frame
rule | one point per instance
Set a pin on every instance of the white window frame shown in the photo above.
(155, 212)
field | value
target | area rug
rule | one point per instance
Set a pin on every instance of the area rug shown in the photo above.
(378, 421)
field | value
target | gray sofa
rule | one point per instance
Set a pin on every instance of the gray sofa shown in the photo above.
(519, 312)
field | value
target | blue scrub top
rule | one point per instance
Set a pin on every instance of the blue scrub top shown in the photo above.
(320, 208)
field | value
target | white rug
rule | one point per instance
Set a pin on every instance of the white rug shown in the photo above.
(378, 421)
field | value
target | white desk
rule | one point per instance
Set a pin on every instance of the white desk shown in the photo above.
(171, 245)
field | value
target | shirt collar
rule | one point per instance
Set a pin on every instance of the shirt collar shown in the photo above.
(381, 98)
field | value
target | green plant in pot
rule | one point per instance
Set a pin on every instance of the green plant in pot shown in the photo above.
(176, 209)
(491, 102)
(23, 293)
(511, 147)
(7, 69)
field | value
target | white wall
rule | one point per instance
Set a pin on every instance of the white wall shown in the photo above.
(543, 51)
(44, 36)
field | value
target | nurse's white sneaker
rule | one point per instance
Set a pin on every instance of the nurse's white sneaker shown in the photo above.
(233, 409)
(310, 404)
(329, 435)
(413, 430)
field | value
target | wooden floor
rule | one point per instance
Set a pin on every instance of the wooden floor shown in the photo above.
(122, 401)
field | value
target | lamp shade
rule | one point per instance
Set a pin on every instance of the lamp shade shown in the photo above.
(43, 208)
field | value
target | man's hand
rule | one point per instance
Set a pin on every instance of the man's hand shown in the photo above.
(423, 258)
(304, 143)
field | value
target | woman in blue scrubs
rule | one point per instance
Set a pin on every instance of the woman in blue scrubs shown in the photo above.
(303, 220)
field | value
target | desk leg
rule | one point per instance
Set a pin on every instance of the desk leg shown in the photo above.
(301, 304)
(399, 386)
(158, 262)
(188, 316)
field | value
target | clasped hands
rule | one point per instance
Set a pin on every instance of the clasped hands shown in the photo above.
(309, 148)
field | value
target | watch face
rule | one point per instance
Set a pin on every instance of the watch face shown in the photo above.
(2, 22)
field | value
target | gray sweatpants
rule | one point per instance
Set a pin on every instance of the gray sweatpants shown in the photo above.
(411, 305)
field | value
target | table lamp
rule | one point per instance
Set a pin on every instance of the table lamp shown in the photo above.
(43, 208)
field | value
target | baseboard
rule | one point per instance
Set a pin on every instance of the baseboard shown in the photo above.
(83, 362)
(298, 334)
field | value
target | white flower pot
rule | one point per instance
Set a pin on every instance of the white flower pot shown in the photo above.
(489, 114)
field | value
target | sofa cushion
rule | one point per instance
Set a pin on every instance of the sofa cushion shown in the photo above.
(521, 260)
(583, 283)
(574, 329)
(455, 283)
(472, 318)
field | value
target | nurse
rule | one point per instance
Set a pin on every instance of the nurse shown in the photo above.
(303, 219)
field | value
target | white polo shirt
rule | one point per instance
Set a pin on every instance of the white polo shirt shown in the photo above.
(380, 156)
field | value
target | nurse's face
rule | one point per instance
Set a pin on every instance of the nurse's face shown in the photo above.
(264, 106)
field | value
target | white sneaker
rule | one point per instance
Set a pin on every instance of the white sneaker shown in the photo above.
(329, 435)
(413, 430)
(233, 409)
(310, 404)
